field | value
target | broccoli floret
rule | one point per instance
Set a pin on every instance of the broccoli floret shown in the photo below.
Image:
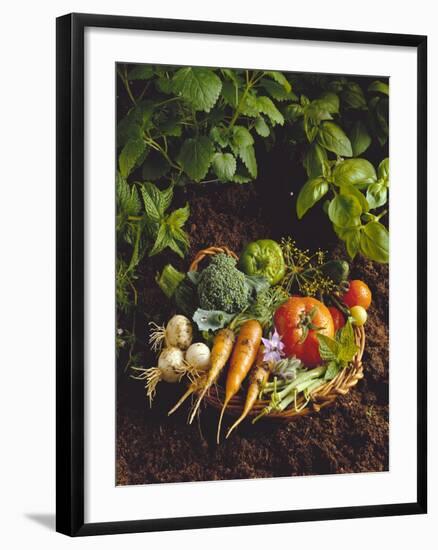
(222, 286)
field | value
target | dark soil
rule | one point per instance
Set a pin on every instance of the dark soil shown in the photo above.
(350, 436)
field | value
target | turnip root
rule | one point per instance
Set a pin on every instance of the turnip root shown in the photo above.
(170, 369)
(177, 333)
(197, 360)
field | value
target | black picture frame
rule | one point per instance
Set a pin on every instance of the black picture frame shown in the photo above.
(70, 273)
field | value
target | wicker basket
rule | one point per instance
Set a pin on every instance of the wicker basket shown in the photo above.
(321, 397)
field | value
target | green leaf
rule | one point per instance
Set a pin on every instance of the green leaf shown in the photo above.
(211, 320)
(129, 155)
(155, 166)
(347, 343)
(360, 138)
(333, 370)
(328, 347)
(135, 122)
(230, 93)
(195, 157)
(315, 161)
(374, 242)
(220, 136)
(200, 87)
(162, 240)
(378, 86)
(141, 72)
(127, 201)
(352, 237)
(383, 170)
(280, 79)
(311, 192)
(333, 138)
(353, 96)
(241, 138)
(267, 107)
(155, 202)
(169, 280)
(178, 217)
(348, 189)
(261, 127)
(247, 154)
(224, 165)
(329, 101)
(344, 210)
(277, 91)
(377, 194)
(355, 172)
(293, 112)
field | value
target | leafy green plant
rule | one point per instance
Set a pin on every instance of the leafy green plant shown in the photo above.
(338, 351)
(355, 190)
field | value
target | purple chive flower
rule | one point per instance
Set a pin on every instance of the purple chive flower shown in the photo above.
(273, 347)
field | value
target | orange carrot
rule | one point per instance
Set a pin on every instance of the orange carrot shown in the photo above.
(221, 351)
(259, 375)
(244, 354)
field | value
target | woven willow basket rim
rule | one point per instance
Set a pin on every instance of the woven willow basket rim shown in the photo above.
(318, 399)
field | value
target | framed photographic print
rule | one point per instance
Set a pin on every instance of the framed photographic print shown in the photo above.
(241, 274)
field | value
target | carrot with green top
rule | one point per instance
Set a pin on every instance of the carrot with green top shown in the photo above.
(242, 359)
(222, 347)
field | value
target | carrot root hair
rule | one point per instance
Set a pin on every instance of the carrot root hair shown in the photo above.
(181, 400)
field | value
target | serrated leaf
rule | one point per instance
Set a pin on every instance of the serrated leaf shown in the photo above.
(224, 165)
(155, 166)
(200, 87)
(161, 241)
(132, 126)
(267, 107)
(277, 91)
(328, 347)
(311, 192)
(178, 217)
(155, 202)
(333, 138)
(129, 155)
(261, 127)
(141, 72)
(220, 136)
(280, 79)
(195, 157)
(247, 155)
(241, 137)
(333, 370)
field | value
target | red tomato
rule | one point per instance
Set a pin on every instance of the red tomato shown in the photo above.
(358, 294)
(338, 318)
(298, 321)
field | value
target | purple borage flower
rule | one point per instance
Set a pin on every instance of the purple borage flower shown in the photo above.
(273, 348)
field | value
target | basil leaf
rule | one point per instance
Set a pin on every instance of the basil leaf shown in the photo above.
(374, 242)
(360, 138)
(333, 369)
(344, 210)
(377, 194)
(315, 161)
(311, 192)
(379, 86)
(383, 169)
(353, 96)
(328, 347)
(333, 138)
(354, 171)
(348, 189)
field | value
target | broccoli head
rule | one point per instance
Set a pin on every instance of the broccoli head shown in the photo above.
(222, 286)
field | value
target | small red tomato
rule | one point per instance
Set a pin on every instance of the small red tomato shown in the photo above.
(358, 294)
(338, 318)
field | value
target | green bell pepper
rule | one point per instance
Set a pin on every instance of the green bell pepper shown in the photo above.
(265, 258)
